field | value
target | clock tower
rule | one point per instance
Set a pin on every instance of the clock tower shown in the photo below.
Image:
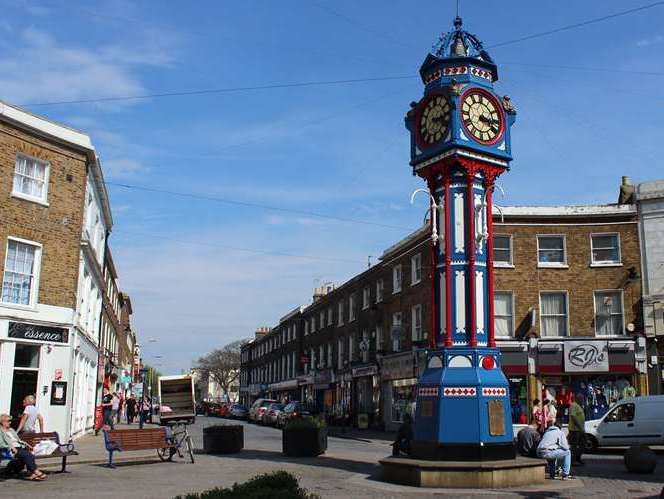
(460, 144)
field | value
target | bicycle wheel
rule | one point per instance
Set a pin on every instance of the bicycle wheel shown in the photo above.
(190, 448)
(165, 454)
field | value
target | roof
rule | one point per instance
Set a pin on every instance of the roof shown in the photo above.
(67, 136)
(650, 190)
(601, 210)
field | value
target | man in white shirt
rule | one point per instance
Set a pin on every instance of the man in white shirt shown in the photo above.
(554, 448)
(30, 417)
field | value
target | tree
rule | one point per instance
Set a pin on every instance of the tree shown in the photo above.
(221, 366)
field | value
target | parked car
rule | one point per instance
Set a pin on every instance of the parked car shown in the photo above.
(296, 410)
(271, 415)
(632, 421)
(223, 410)
(258, 408)
(238, 411)
(210, 408)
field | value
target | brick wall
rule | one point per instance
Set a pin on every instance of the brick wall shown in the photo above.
(58, 226)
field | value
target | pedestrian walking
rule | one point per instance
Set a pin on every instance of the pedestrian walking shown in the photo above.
(121, 405)
(576, 428)
(550, 413)
(21, 451)
(30, 417)
(115, 406)
(107, 407)
(131, 408)
(555, 449)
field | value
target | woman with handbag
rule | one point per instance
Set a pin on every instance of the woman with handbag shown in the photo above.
(20, 450)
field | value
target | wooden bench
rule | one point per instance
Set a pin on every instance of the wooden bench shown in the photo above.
(134, 439)
(63, 451)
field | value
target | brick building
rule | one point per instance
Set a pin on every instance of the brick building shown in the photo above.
(55, 223)
(569, 318)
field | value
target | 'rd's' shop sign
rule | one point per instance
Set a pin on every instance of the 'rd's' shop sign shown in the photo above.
(583, 356)
(23, 331)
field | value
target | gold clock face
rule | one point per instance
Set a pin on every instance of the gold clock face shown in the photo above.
(482, 117)
(434, 120)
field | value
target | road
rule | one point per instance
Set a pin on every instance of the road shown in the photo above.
(348, 469)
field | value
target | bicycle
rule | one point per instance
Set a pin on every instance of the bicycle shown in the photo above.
(180, 441)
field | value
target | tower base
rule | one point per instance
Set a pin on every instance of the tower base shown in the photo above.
(436, 451)
(517, 472)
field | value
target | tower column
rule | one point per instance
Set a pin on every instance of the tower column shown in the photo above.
(472, 297)
(448, 261)
(488, 186)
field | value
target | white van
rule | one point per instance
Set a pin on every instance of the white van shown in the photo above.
(632, 421)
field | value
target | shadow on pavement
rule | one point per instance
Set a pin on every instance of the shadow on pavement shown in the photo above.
(322, 461)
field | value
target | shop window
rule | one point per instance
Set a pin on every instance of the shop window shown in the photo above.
(503, 313)
(403, 397)
(551, 251)
(380, 285)
(30, 179)
(609, 313)
(397, 277)
(622, 413)
(415, 269)
(26, 356)
(553, 312)
(502, 250)
(21, 272)
(605, 249)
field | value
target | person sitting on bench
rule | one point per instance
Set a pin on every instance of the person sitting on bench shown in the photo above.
(404, 436)
(554, 448)
(23, 457)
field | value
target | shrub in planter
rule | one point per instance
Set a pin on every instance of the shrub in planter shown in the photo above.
(223, 439)
(275, 485)
(304, 437)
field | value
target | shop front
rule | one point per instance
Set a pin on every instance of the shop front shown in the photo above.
(514, 363)
(322, 387)
(284, 391)
(366, 396)
(306, 388)
(399, 374)
(342, 399)
(601, 371)
(36, 360)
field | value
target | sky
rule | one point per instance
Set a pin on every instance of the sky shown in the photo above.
(201, 272)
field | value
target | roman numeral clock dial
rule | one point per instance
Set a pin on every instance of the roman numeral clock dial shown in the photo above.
(434, 120)
(482, 117)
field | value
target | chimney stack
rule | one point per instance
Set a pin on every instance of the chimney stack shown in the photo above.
(626, 194)
(322, 291)
(262, 331)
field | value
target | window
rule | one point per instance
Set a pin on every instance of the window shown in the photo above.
(329, 355)
(622, 413)
(379, 290)
(415, 269)
(503, 307)
(351, 308)
(609, 313)
(366, 298)
(313, 324)
(364, 346)
(396, 279)
(551, 251)
(21, 272)
(30, 179)
(321, 356)
(340, 314)
(351, 349)
(502, 250)
(329, 316)
(605, 249)
(322, 319)
(340, 354)
(379, 338)
(553, 311)
(396, 331)
(306, 327)
(416, 325)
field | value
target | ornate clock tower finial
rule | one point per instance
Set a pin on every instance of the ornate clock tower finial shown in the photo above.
(460, 144)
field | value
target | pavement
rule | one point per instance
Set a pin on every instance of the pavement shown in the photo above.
(348, 469)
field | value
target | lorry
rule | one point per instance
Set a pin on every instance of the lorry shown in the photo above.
(176, 398)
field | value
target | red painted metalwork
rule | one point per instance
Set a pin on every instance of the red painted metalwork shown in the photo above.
(488, 186)
(470, 204)
(434, 269)
(448, 263)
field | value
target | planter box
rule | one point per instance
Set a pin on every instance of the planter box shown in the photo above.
(227, 439)
(304, 442)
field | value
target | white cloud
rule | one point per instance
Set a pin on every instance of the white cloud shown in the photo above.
(123, 168)
(653, 40)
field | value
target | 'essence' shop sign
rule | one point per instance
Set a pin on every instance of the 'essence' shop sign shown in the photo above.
(23, 331)
(584, 356)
